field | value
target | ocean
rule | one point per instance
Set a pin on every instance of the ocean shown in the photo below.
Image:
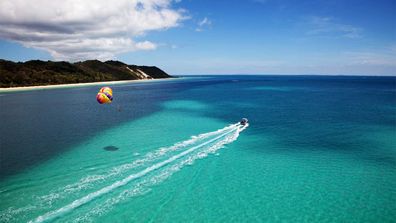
(317, 149)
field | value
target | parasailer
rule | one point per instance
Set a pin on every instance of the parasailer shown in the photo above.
(105, 95)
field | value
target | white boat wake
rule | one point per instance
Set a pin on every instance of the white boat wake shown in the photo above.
(139, 175)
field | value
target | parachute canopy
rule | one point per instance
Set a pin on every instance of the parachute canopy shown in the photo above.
(105, 95)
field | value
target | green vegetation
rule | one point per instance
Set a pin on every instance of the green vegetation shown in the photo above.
(37, 72)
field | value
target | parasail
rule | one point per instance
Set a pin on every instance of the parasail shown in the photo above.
(105, 95)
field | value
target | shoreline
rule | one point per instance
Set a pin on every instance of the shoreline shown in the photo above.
(57, 86)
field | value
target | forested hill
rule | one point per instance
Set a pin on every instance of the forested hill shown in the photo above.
(37, 72)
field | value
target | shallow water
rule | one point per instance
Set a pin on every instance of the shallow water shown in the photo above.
(317, 149)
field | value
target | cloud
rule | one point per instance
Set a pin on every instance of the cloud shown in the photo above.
(205, 22)
(328, 26)
(146, 45)
(90, 29)
(371, 58)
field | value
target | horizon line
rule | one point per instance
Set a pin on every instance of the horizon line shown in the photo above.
(268, 74)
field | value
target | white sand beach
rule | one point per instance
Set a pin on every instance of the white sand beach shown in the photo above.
(43, 87)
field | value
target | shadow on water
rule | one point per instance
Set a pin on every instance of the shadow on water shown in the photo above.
(37, 125)
(111, 148)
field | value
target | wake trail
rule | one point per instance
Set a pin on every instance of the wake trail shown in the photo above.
(87, 182)
(79, 202)
(45, 202)
(143, 186)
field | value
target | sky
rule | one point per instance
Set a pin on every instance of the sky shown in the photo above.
(325, 37)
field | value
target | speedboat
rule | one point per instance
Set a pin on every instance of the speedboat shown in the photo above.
(244, 121)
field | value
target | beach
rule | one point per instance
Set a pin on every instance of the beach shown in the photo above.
(44, 87)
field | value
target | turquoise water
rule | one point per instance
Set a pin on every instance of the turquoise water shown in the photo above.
(318, 149)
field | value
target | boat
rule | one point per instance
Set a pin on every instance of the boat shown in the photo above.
(244, 121)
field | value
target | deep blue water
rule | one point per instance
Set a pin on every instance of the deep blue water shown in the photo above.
(318, 148)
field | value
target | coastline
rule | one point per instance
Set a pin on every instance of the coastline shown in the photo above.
(57, 86)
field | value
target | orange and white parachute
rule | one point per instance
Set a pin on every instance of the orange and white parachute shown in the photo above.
(105, 95)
